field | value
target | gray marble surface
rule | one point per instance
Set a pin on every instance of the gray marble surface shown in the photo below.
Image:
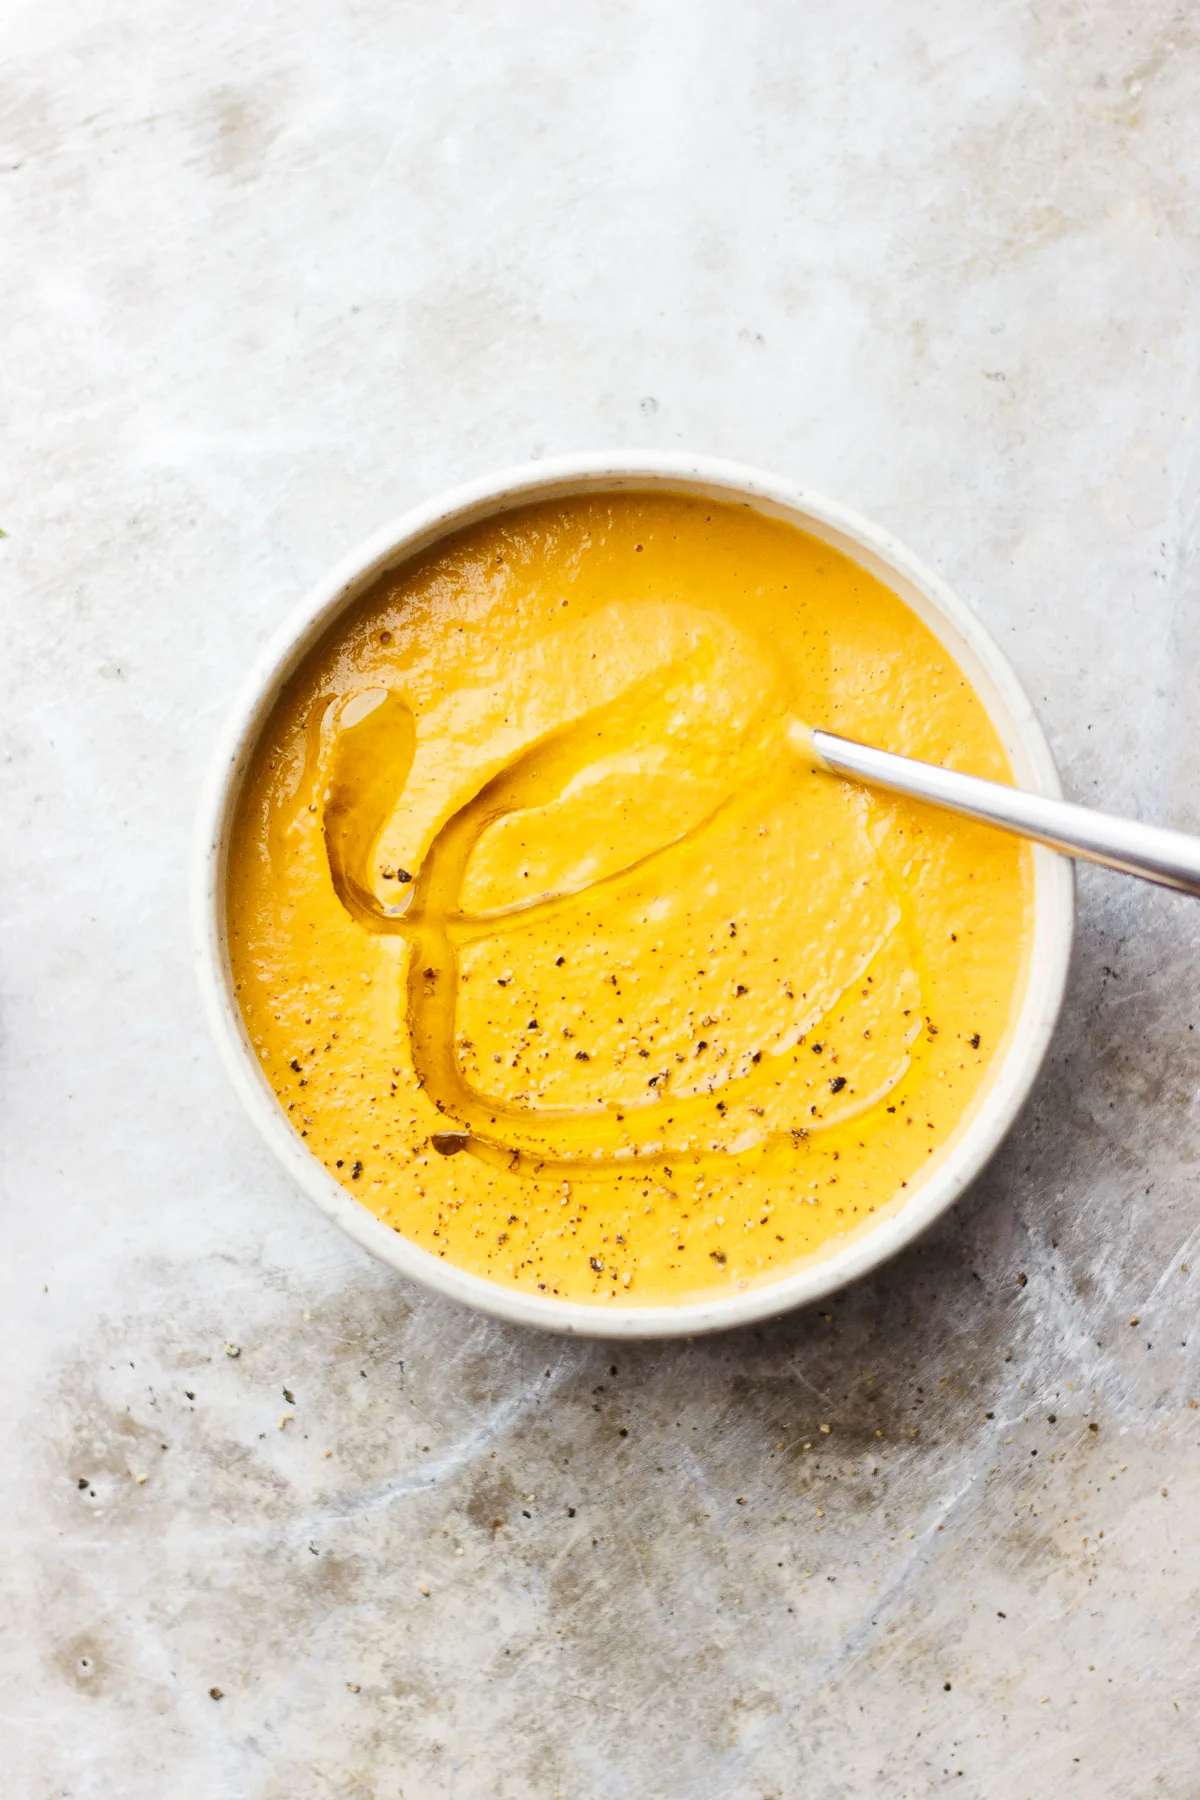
(270, 273)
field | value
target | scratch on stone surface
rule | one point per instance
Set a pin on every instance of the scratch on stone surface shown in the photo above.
(853, 1643)
(1171, 1266)
(812, 1387)
(855, 1640)
(417, 1480)
(1058, 1318)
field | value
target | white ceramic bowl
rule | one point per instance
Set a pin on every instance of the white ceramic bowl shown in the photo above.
(930, 599)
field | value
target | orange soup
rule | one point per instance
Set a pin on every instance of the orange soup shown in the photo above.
(562, 960)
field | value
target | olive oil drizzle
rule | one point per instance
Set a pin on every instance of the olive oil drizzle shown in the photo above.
(366, 757)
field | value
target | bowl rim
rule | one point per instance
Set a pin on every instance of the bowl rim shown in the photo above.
(872, 547)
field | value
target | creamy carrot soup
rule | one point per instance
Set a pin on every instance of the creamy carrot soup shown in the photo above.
(559, 957)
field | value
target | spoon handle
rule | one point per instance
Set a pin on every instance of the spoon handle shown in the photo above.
(1170, 858)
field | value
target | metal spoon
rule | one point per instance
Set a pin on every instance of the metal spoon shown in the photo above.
(1170, 858)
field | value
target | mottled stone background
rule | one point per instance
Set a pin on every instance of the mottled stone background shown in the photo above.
(270, 272)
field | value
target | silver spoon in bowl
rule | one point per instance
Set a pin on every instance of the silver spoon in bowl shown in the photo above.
(1154, 852)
